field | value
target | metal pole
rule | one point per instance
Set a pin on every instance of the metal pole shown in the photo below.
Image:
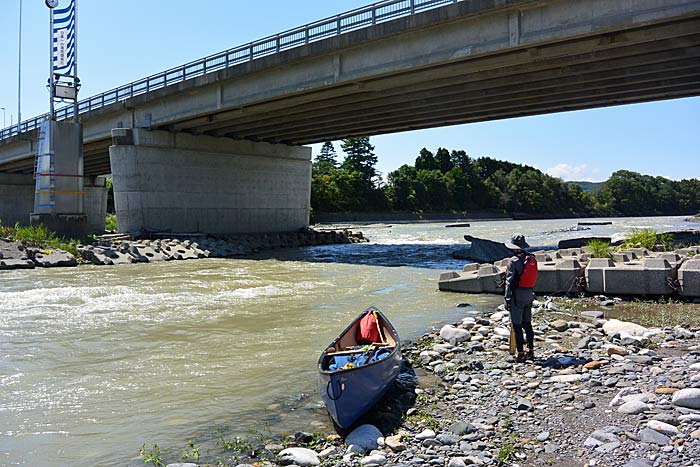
(3, 116)
(75, 65)
(52, 83)
(19, 72)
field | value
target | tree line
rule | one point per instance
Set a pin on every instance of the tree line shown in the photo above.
(452, 181)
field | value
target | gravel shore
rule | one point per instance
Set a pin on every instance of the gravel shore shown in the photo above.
(600, 393)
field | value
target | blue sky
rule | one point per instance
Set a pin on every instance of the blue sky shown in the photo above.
(126, 40)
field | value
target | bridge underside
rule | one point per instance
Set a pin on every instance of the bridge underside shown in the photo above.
(649, 64)
(462, 63)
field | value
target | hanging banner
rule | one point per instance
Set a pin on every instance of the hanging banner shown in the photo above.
(64, 39)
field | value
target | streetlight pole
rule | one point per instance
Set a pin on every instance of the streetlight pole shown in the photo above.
(3, 116)
(19, 78)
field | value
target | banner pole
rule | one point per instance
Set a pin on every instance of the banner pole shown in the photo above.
(52, 114)
(76, 81)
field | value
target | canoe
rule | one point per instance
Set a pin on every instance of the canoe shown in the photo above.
(351, 390)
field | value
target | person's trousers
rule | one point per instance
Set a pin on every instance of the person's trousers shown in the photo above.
(521, 318)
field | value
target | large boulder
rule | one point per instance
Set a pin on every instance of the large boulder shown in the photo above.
(614, 326)
(688, 398)
(298, 456)
(365, 437)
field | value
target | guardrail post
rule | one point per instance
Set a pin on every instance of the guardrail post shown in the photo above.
(338, 26)
(250, 53)
(374, 16)
(306, 36)
(277, 44)
(413, 6)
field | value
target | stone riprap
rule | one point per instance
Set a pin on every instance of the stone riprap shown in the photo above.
(636, 271)
(14, 255)
(583, 407)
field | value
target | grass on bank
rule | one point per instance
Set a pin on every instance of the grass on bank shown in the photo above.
(647, 238)
(40, 236)
(600, 249)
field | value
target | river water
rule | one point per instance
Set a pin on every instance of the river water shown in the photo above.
(97, 361)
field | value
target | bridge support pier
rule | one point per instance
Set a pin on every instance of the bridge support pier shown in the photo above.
(17, 200)
(178, 182)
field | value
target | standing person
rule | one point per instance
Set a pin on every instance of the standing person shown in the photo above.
(520, 281)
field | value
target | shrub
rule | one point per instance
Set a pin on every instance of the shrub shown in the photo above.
(111, 223)
(642, 238)
(599, 248)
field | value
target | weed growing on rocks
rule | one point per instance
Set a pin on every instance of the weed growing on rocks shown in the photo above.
(151, 455)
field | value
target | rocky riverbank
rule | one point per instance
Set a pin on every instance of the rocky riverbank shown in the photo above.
(600, 393)
(127, 250)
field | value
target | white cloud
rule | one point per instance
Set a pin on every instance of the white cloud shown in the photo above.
(570, 172)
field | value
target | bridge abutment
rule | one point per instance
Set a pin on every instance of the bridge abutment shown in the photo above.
(178, 182)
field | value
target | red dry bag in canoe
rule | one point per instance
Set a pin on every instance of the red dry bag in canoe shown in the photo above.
(368, 332)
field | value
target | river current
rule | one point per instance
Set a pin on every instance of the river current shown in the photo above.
(97, 361)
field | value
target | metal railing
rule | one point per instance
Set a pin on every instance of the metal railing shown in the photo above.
(333, 26)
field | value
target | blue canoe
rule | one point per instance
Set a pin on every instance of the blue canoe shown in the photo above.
(349, 392)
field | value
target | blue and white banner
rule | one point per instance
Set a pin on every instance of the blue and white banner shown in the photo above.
(64, 39)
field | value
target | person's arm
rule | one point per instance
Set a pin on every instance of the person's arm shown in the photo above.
(511, 282)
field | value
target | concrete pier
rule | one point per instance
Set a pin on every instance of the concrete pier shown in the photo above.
(17, 200)
(178, 182)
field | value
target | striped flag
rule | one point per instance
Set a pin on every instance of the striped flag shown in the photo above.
(64, 39)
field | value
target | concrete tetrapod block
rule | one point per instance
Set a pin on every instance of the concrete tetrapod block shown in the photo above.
(689, 278)
(623, 257)
(560, 277)
(467, 282)
(595, 274)
(650, 277)
(491, 278)
(543, 257)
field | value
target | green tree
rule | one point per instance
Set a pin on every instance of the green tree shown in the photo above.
(326, 161)
(426, 161)
(443, 159)
(360, 157)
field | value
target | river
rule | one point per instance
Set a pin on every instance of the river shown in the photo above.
(97, 361)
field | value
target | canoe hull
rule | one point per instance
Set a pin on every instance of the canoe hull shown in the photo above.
(349, 394)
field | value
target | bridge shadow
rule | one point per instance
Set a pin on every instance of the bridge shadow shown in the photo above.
(429, 256)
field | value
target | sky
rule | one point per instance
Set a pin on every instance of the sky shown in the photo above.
(123, 41)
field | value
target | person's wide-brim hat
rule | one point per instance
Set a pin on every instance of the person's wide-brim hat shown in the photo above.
(512, 246)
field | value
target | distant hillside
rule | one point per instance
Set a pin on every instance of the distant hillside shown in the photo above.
(593, 187)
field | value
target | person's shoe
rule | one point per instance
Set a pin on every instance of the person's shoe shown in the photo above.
(530, 355)
(520, 358)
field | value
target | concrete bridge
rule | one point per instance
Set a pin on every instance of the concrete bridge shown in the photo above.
(216, 145)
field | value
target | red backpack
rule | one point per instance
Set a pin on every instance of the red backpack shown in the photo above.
(368, 331)
(529, 275)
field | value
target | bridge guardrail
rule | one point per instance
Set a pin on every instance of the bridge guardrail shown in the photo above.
(332, 26)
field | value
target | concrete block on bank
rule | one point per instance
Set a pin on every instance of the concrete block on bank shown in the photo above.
(689, 278)
(595, 274)
(491, 278)
(648, 277)
(543, 257)
(470, 267)
(629, 253)
(560, 277)
(467, 282)
(623, 257)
